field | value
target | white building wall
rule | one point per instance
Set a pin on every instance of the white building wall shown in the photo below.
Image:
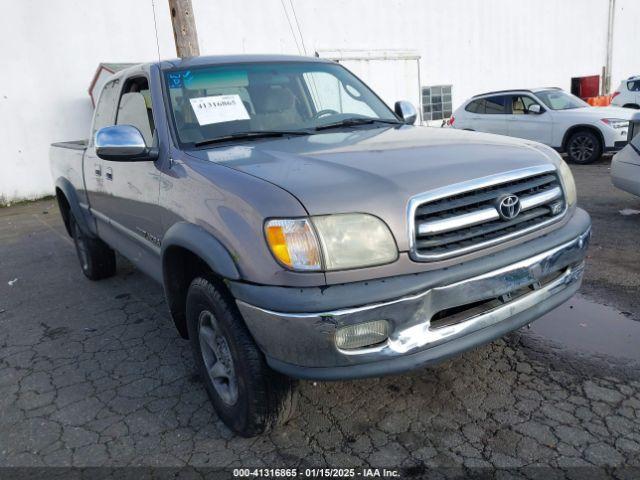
(48, 54)
(626, 54)
(475, 45)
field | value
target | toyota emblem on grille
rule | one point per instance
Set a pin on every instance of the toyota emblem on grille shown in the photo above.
(508, 206)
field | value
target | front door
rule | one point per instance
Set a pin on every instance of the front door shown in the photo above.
(523, 123)
(125, 195)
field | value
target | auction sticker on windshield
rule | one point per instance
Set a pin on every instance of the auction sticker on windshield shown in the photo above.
(218, 109)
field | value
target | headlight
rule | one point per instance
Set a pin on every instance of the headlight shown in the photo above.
(616, 122)
(567, 182)
(354, 240)
(343, 241)
(293, 243)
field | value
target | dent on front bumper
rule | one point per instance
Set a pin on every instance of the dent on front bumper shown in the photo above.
(302, 344)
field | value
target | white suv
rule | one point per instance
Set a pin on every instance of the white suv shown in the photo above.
(628, 93)
(550, 116)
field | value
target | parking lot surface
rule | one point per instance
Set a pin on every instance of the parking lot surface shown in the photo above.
(94, 374)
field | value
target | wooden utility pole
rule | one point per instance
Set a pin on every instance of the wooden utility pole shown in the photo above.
(606, 81)
(184, 28)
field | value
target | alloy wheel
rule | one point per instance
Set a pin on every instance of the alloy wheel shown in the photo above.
(582, 148)
(217, 358)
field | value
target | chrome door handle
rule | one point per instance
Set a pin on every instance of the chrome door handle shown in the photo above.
(108, 172)
(97, 169)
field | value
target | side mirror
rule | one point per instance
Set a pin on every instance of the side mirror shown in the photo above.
(123, 143)
(406, 111)
(535, 109)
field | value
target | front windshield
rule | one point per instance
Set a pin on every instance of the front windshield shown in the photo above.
(559, 100)
(217, 101)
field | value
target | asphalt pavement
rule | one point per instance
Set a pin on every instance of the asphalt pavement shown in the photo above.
(94, 374)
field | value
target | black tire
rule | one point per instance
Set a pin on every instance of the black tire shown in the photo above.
(584, 147)
(249, 397)
(632, 105)
(97, 260)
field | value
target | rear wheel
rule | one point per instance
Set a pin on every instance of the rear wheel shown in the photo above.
(97, 260)
(584, 147)
(249, 397)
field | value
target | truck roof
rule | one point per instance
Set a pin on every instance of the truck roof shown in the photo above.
(217, 60)
(220, 60)
(227, 59)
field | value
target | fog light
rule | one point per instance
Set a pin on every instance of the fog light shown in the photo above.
(362, 335)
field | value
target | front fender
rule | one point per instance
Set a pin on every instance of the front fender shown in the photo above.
(182, 242)
(203, 244)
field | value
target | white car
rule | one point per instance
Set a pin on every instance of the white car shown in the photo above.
(628, 93)
(625, 169)
(625, 165)
(550, 116)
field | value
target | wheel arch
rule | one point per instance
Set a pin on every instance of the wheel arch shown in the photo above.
(580, 127)
(189, 251)
(68, 202)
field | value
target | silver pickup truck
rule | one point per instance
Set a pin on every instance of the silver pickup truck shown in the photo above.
(303, 229)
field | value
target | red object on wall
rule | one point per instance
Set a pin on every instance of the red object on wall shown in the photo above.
(586, 87)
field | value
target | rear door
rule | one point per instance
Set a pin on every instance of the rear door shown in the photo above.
(522, 123)
(490, 114)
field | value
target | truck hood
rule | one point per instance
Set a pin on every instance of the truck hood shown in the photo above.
(375, 170)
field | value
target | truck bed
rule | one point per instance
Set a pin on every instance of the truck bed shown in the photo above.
(67, 165)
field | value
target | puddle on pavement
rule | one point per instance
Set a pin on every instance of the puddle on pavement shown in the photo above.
(586, 326)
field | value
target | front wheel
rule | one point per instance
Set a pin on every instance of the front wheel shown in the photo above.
(584, 147)
(249, 397)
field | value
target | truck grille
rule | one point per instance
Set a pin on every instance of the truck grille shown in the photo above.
(464, 218)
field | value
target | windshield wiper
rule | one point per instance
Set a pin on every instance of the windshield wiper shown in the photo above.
(251, 135)
(349, 122)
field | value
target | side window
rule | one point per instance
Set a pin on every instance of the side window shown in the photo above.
(103, 116)
(528, 101)
(135, 109)
(496, 105)
(634, 86)
(521, 103)
(517, 105)
(477, 106)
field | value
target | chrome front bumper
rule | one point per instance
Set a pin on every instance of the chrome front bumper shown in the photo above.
(302, 344)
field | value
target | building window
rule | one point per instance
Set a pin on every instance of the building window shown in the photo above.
(436, 102)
